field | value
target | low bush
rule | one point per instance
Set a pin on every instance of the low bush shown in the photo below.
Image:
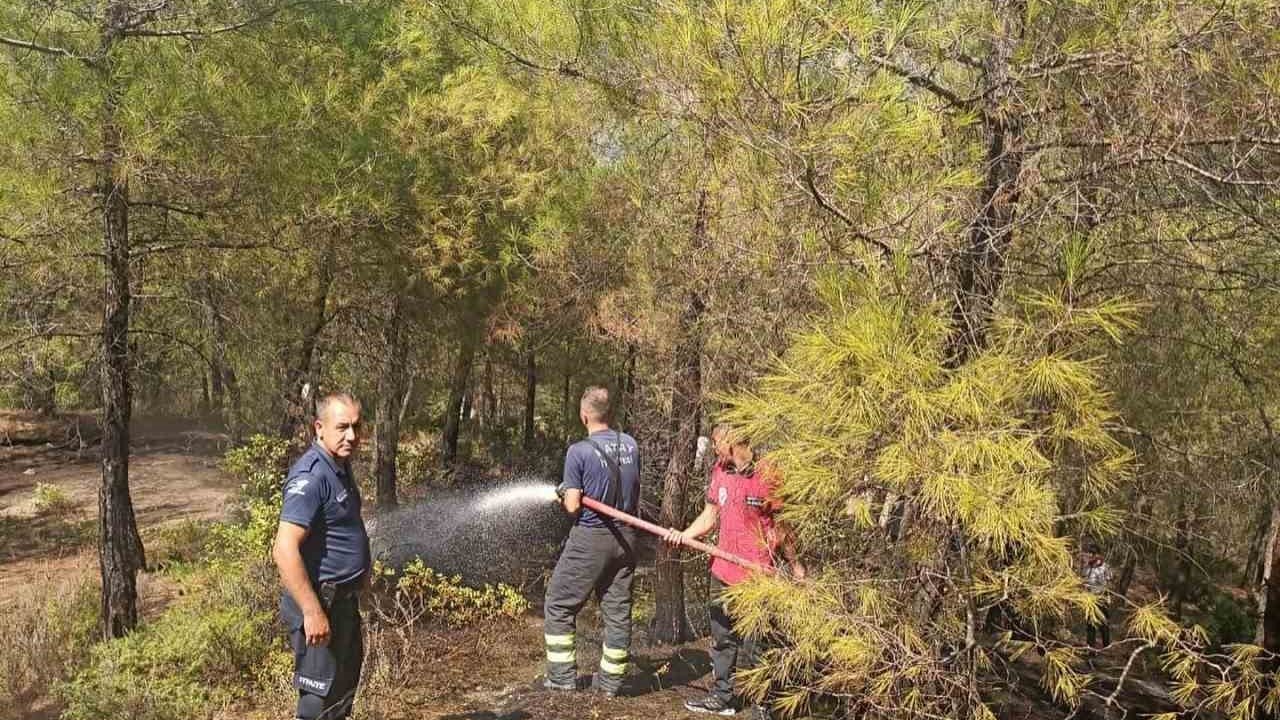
(1229, 621)
(45, 634)
(52, 500)
(219, 647)
(260, 466)
(201, 654)
(419, 595)
(220, 642)
(416, 457)
(175, 544)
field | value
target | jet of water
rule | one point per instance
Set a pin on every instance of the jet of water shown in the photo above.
(518, 494)
(509, 532)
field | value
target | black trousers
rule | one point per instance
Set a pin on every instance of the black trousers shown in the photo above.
(1103, 628)
(729, 650)
(326, 676)
(598, 561)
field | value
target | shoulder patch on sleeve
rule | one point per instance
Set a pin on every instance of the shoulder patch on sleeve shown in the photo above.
(298, 484)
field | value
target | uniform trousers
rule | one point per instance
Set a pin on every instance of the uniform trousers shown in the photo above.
(326, 676)
(599, 561)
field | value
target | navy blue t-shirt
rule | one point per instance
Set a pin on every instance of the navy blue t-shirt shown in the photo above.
(585, 470)
(320, 495)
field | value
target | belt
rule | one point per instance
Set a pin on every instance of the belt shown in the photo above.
(331, 592)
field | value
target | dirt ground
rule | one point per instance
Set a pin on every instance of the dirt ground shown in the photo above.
(173, 476)
(495, 673)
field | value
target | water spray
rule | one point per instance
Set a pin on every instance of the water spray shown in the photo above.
(457, 532)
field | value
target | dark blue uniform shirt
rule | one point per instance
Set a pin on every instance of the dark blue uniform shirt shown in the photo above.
(585, 470)
(320, 495)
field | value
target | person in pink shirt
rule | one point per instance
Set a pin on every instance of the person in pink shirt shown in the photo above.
(740, 502)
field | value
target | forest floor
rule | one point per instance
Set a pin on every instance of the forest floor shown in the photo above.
(477, 673)
(173, 476)
(495, 673)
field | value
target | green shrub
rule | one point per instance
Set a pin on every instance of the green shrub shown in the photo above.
(1229, 621)
(45, 632)
(201, 654)
(418, 461)
(260, 466)
(420, 595)
(52, 500)
(249, 540)
(220, 641)
(179, 543)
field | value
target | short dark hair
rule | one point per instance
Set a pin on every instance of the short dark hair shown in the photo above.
(595, 403)
(329, 400)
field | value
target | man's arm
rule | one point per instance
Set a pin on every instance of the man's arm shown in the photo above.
(570, 490)
(287, 554)
(701, 525)
(572, 500)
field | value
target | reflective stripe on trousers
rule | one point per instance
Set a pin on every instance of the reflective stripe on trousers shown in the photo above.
(560, 648)
(600, 562)
(613, 661)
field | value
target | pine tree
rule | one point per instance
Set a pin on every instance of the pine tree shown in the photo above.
(991, 466)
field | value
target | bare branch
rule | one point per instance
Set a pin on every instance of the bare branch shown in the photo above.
(45, 49)
(17, 342)
(811, 185)
(1221, 179)
(1078, 143)
(562, 68)
(198, 245)
(166, 206)
(197, 351)
(920, 80)
(200, 33)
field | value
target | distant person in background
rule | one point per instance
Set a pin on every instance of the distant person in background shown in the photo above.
(739, 502)
(322, 553)
(599, 556)
(1097, 577)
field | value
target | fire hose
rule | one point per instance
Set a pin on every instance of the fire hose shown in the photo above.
(661, 532)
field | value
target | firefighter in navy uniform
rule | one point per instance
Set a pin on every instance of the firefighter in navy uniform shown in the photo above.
(599, 555)
(322, 552)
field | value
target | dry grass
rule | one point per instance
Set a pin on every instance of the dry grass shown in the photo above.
(46, 632)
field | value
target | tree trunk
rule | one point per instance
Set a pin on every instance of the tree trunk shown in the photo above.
(39, 389)
(1268, 594)
(224, 395)
(980, 268)
(670, 622)
(566, 402)
(391, 395)
(626, 385)
(457, 393)
(120, 552)
(296, 416)
(1252, 573)
(530, 398)
(1134, 545)
(1182, 546)
(488, 398)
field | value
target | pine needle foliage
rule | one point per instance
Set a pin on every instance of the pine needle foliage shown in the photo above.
(928, 493)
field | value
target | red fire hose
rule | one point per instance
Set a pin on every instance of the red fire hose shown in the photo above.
(661, 532)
